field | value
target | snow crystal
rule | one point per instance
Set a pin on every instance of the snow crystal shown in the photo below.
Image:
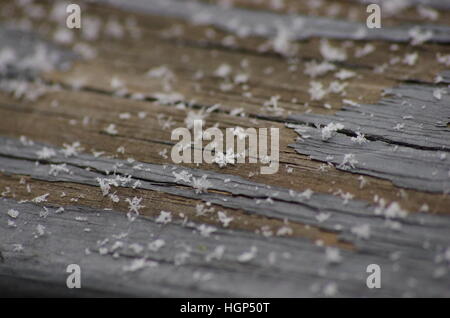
(224, 219)
(316, 90)
(333, 255)
(348, 161)
(314, 69)
(331, 53)
(164, 217)
(156, 245)
(46, 153)
(223, 71)
(359, 139)
(201, 184)
(13, 213)
(216, 254)
(248, 256)
(329, 130)
(361, 231)
(223, 159)
(206, 230)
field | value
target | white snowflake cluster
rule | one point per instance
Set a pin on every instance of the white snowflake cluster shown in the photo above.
(329, 130)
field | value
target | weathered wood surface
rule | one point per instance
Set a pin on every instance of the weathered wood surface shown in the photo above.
(335, 206)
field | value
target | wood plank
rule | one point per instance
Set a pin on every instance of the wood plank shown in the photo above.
(311, 229)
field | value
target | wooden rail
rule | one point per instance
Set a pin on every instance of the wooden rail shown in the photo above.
(87, 178)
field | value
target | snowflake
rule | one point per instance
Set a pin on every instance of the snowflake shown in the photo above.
(437, 93)
(182, 176)
(136, 248)
(337, 87)
(111, 129)
(361, 231)
(117, 83)
(216, 254)
(316, 90)
(201, 184)
(164, 217)
(350, 103)
(168, 98)
(224, 219)
(306, 194)
(344, 74)
(71, 150)
(44, 213)
(399, 126)
(165, 122)
(239, 132)
(160, 72)
(163, 153)
(206, 230)
(365, 50)
(419, 36)
(7, 56)
(237, 111)
(443, 59)
(329, 130)
(40, 230)
(223, 70)
(203, 277)
(223, 159)
(410, 59)
(332, 255)
(139, 264)
(362, 182)
(114, 29)
(346, 197)
(285, 230)
(240, 79)
(330, 289)
(331, 53)
(322, 217)
(428, 13)
(46, 153)
(359, 139)
(41, 198)
(272, 104)
(105, 185)
(181, 257)
(392, 211)
(25, 141)
(156, 245)
(195, 118)
(13, 213)
(348, 161)
(201, 210)
(281, 43)
(134, 205)
(56, 169)
(17, 247)
(314, 69)
(248, 256)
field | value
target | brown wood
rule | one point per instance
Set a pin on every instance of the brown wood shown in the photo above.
(80, 102)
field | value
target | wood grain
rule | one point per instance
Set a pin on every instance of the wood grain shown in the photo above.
(397, 216)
